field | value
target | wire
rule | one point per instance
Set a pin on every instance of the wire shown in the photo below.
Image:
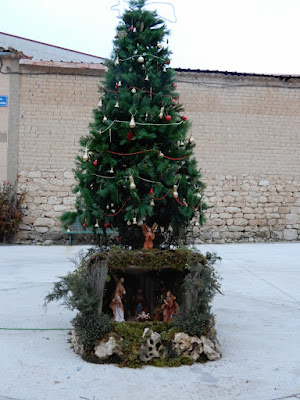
(36, 329)
(163, 2)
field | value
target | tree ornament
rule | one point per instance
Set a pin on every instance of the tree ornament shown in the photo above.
(84, 224)
(184, 118)
(174, 85)
(120, 83)
(164, 69)
(132, 122)
(95, 162)
(131, 28)
(96, 224)
(161, 154)
(100, 103)
(168, 118)
(117, 105)
(111, 170)
(175, 193)
(142, 26)
(146, 116)
(141, 59)
(116, 85)
(134, 221)
(199, 194)
(147, 78)
(159, 46)
(133, 90)
(117, 62)
(130, 136)
(132, 184)
(128, 222)
(161, 114)
(192, 140)
(104, 119)
(169, 62)
(107, 225)
(151, 191)
(122, 34)
(85, 155)
(152, 204)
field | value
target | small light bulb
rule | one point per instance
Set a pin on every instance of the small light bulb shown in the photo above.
(132, 184)
(175, 193)
(104, 119)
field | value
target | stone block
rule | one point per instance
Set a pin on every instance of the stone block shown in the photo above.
(292, 219)
(290, 234)
(44, 222)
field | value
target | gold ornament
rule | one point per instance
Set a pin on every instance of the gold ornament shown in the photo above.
(159, 46)
(132, 122)
(132, 184)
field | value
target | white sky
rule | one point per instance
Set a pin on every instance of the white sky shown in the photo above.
(260, 36)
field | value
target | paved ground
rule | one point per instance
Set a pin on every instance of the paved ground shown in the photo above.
(257, 321)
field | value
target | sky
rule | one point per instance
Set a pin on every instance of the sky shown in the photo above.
(253, 36)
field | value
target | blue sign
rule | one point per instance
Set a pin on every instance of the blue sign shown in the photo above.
(3, 101)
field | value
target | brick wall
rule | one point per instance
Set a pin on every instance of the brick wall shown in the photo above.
(247, 131)
(4, 114)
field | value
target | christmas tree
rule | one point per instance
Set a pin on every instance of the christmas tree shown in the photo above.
(137, 163)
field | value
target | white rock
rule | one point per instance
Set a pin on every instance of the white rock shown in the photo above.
(107, 347)
(211, 348)
(152, 348)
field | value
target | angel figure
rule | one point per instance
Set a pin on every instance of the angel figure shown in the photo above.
(170, 307)
(149, 235)
(116, 303)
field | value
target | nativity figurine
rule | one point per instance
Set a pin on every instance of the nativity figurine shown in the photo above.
(149, 235)
(116, 303)
(170, 308)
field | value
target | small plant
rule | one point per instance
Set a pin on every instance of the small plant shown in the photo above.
(91, 326)
(10, 210)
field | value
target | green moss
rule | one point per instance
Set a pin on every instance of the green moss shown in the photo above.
(119, 259)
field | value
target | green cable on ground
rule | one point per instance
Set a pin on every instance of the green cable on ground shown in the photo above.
(36, 329)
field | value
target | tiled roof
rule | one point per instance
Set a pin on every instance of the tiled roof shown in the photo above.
(46, 52)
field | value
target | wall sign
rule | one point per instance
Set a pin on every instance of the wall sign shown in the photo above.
(3, 101)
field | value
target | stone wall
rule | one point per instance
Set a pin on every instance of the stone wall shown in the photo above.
(247, 132)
